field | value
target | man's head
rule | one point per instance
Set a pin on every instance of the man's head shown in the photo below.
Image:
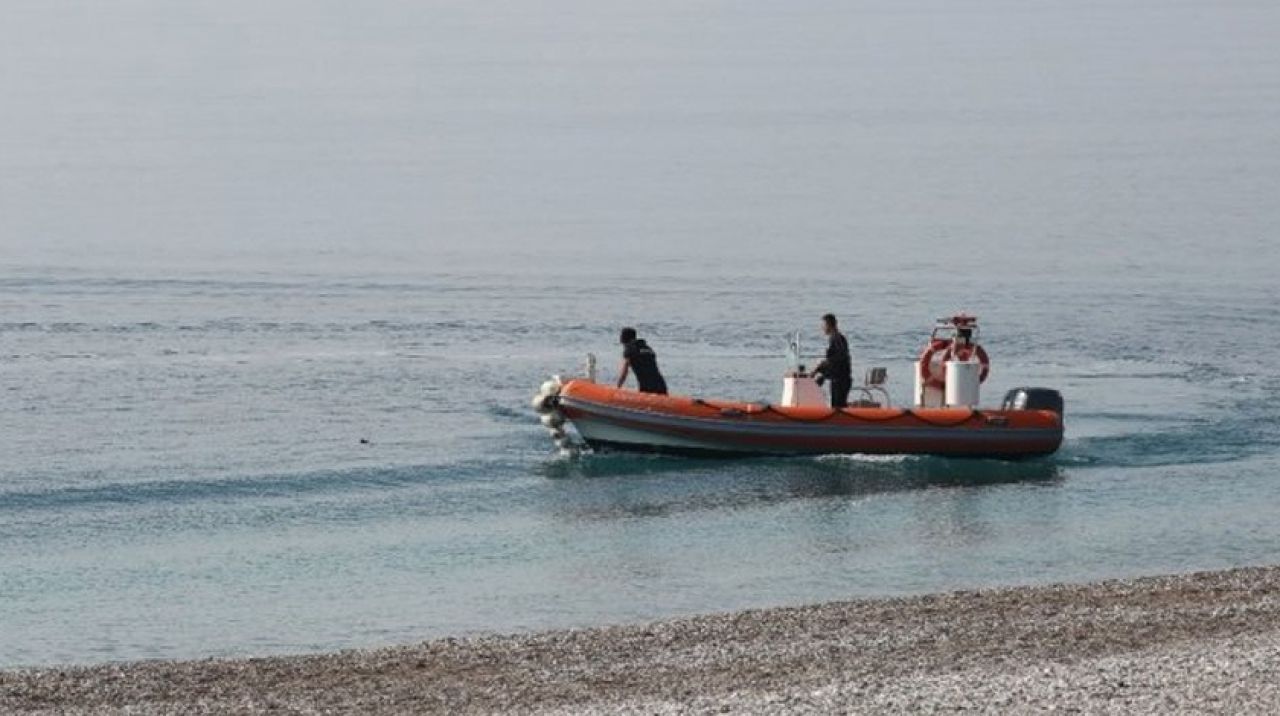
(829, 325)
(628, 334)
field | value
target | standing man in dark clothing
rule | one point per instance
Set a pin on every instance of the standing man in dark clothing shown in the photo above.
(639, 358)
(836, 367)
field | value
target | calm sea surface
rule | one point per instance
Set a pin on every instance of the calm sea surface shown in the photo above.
(239, 238)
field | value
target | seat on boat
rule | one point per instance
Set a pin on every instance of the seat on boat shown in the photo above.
(873, 385)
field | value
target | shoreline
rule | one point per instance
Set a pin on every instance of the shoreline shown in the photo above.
(1206, 641)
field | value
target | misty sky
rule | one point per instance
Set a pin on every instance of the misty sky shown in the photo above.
(181, 132)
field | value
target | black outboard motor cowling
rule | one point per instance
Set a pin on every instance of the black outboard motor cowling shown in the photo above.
(1033, 399)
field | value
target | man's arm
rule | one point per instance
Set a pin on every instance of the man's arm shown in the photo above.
(622, 372)
(822, 366)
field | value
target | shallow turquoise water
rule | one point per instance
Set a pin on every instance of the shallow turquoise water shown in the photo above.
(224, 264)
(193, 483)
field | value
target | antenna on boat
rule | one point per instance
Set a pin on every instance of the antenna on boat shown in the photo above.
(793, 352)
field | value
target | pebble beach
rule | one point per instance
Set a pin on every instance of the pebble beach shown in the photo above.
(1206, 642)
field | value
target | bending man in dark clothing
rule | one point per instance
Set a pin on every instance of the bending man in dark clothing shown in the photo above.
(836, 367)
(639, 358)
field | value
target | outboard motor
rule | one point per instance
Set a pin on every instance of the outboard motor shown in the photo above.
(1033, 399)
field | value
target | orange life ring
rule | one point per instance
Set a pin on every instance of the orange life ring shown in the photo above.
(937, 345)
(971, 351)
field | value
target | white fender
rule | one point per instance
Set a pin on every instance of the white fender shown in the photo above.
(541, 403)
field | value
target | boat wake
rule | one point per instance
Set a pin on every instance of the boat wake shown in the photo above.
(869, 459)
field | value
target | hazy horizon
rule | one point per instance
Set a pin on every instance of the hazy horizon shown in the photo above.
(282, 135)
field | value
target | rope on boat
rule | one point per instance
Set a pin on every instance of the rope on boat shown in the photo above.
(736, 411)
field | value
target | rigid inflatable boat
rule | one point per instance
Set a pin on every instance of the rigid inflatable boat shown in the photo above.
(944, 419)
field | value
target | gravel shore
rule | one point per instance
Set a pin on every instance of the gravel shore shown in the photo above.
(1206, 642)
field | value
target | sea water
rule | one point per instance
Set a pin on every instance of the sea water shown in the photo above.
(277, 282)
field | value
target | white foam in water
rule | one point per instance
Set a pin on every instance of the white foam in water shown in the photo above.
(881, 459)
